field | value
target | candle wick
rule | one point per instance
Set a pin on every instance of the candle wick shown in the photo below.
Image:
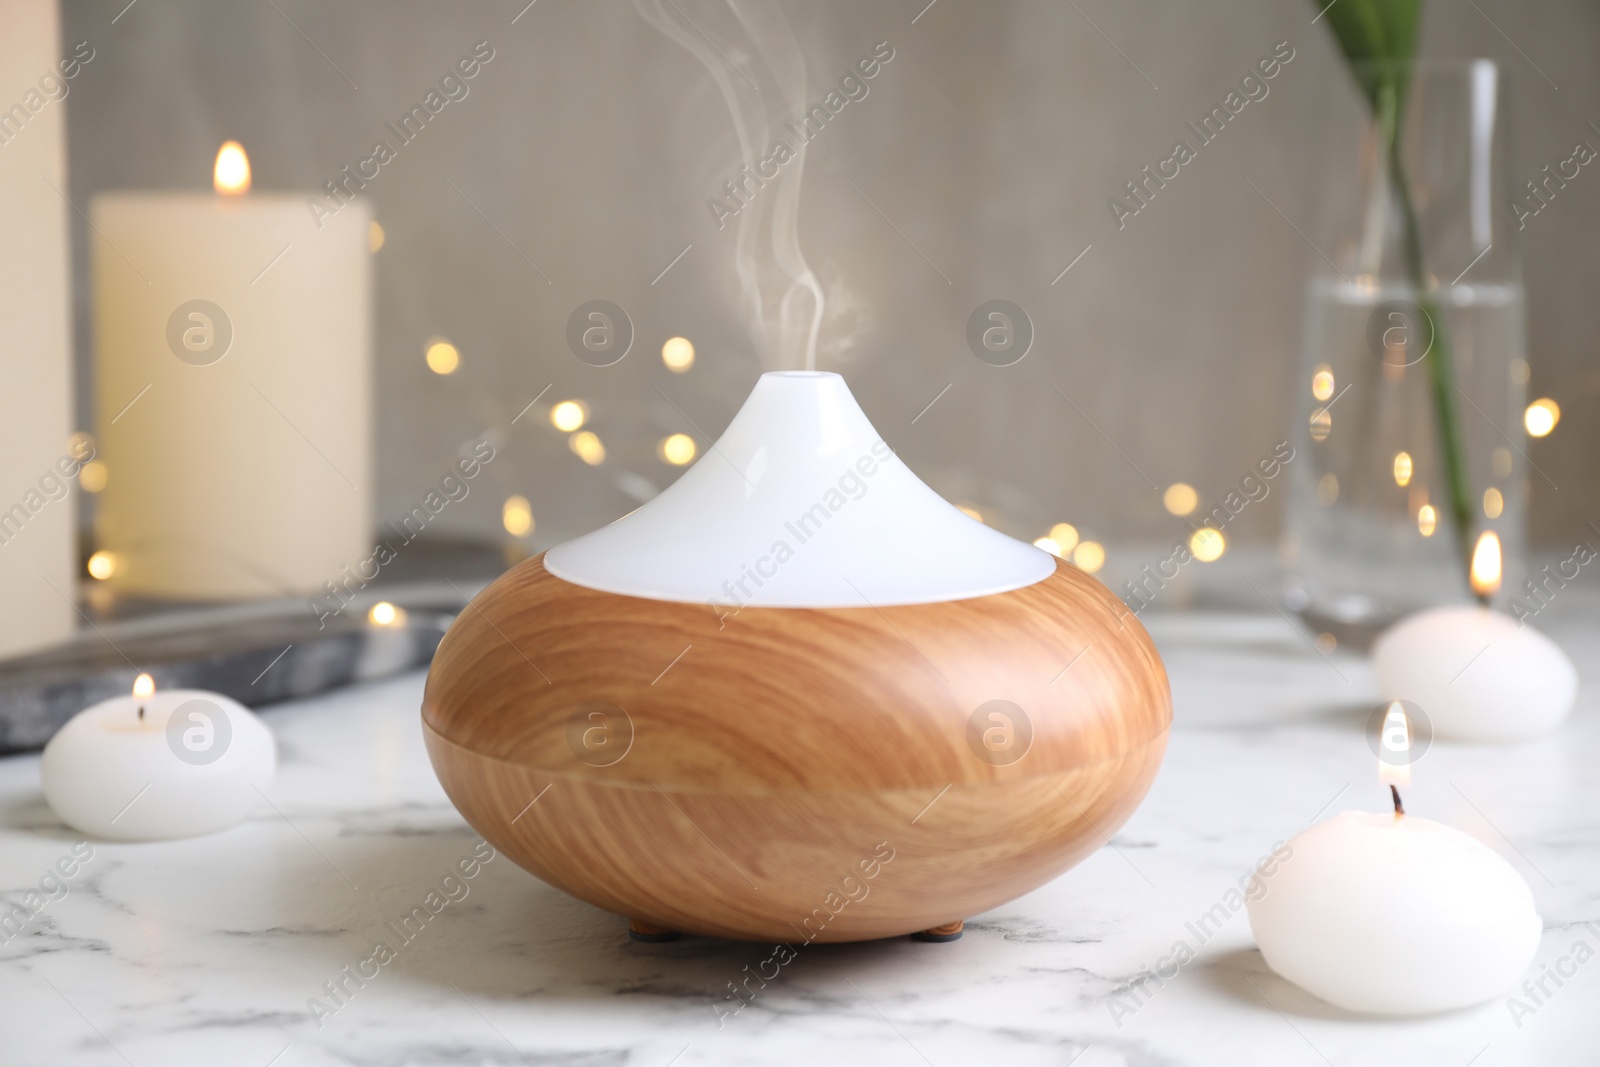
(1399, 809)
(141, 713)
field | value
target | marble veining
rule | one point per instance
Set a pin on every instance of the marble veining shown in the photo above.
(208, 951)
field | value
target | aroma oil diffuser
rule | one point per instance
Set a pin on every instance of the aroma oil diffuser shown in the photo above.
(796, 696)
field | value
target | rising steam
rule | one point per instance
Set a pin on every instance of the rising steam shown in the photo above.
(780, 298)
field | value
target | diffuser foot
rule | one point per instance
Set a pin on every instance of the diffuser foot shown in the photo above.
(947, 932)
(650, 933)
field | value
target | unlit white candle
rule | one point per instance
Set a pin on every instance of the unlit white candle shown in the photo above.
(1392, 914)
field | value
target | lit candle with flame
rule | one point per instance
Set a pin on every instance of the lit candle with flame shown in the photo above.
(231, 173)
(1394, 748)
(1485, 573)
(1479, 674)
(232, 388)
(144, 687)
(1387, 913)
(158, 765)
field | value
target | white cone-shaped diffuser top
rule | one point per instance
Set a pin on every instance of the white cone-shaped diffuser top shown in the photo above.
(800, 504)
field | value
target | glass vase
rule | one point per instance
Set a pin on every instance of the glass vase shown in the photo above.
(1408, 403)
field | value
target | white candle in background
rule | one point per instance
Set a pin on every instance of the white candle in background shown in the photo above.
(157, 766)
(233, 389)
(37, 517)
(1478, 674)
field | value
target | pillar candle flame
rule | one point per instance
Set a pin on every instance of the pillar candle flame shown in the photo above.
(231, 175)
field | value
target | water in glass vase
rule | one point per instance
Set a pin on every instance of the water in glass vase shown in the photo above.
(1370, 534)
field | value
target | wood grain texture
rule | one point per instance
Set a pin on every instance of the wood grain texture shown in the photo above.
(741, 769)
(795, 698)
(787, 866)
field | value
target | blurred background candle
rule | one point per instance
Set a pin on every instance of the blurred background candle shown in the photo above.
(1478, 674)
(35, 408)
(232, 389)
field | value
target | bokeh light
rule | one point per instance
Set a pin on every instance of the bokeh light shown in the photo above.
(384, 613)
(678, 354)
(568, 415)
(1322, 382)
(93, 476)
(442, 356)
(1207, 544)
(1089, 556)
(1180, 498)
(677, 449)
(516, 514)
(1065, 535)
(588, 447)
(1541, 417)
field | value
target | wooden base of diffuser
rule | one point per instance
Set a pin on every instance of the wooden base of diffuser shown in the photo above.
(649, 933)
(940, 934)
(789, 774)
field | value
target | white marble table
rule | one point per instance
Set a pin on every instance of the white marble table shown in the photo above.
(207, 951)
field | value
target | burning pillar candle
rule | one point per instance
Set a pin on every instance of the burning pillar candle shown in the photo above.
(233, 392)
(1478, 674)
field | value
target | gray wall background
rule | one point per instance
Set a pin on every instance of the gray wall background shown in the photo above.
(992, 142)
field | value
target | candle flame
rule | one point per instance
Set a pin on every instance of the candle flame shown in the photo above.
(1486, 564)
(1394, 743)
(231, 175)
(144, 686)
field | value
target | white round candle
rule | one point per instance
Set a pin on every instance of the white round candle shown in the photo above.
(194, 763)
(1477, 674)
(1393, 914)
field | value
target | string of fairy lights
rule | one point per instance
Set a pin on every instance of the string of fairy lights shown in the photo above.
(1180, 499)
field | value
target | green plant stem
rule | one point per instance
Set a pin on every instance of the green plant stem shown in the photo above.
(1441, 366)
